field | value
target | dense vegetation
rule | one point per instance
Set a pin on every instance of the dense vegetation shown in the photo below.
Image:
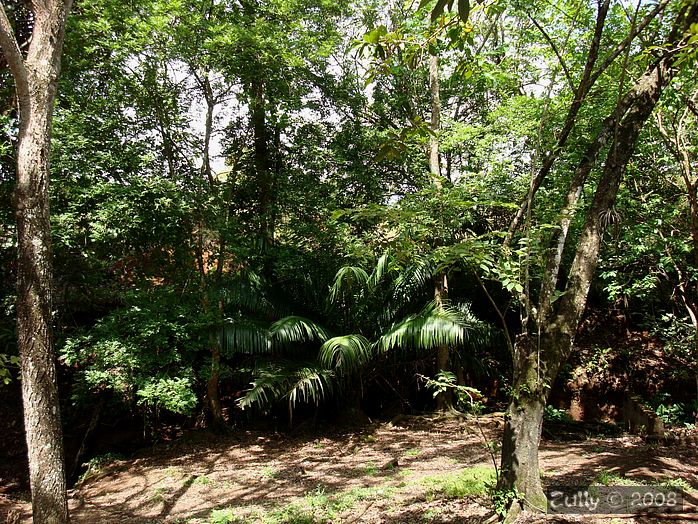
(278, 210)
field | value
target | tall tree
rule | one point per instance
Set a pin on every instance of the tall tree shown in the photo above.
(542, 349)
(36, 80)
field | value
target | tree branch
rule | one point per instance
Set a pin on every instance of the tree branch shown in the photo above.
(628, 40)
(563, 64)
(580, 93)
(13, 56)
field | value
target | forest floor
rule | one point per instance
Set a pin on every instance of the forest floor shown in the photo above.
(414, 470)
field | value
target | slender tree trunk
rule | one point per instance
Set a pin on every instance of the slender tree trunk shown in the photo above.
(443, 356)
(261, 157)
(215, 410)
(538, 357)
(215, 419)
(444, 400)
(434, 90)
(208, 128)
(36, 82)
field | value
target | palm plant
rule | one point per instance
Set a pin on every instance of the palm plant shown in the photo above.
(376, 313)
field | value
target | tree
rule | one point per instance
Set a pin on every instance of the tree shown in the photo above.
(36, 80)
(541, 349)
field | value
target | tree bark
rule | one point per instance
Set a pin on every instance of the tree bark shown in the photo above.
(208, 128)
(444, 400)
(262, 161)
(434, 90)
(539, 357)
(215, 411)
(36, 82)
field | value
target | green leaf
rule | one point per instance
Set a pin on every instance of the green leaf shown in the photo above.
(438, 9)
(374, 36)
(244, 336)
(464, 10)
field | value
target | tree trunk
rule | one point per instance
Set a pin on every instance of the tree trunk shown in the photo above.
(538, 358)
(434, 90)
(216, 420)
(262, 161)
(208, 128)
(444, 400)
(36, 81)
(535, 370)
(588, 78)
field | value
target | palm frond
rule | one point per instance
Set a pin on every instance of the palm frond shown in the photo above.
(350, 281)
(244, 336)
(431, 328)
(346, 354)
(246, 294)
(311, 385)
(269, 385)
(413, 280)
(297, 329)
(296, 383)
(381, 269)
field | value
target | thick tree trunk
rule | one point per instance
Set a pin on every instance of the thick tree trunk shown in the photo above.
(36, 80)
(536, 364)
(42, 420)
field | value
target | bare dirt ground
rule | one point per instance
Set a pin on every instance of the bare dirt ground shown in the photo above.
(383, 473)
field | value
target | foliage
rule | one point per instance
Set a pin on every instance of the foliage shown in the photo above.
(321, 115)
(6, 364)
(173, 394)
(553, 414)
(146, 351)
(98, 464)
(369, 303)
(467, 397)
(502, 499)
(674, 413)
